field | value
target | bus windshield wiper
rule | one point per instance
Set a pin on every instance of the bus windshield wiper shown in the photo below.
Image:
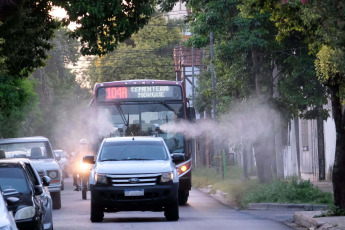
(122, 115)
(166, 105)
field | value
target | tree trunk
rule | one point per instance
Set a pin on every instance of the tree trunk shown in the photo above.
(264, 149)
(263, 161)
(255, 58)
(246, 149)
(338, 177)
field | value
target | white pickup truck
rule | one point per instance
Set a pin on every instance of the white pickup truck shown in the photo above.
(134, 174)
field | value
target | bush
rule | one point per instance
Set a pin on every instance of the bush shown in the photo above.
(242, 192)
(291, 190)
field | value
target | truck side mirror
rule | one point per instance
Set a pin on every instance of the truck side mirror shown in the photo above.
(177, 157)
(191, 114)
(89, 159)
(46, 180)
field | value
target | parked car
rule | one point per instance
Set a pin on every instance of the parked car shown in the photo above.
(62, 159)
(39, 151)
(6, 217)
(134, 174)
(45, 198)
(16, 181)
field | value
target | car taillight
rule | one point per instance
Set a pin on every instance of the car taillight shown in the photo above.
(184, 167)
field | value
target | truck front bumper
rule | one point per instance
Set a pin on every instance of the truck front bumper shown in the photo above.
(113, 199)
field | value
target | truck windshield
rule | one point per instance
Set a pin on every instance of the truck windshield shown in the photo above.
(140, 120)
(31, 150)
(133, 150)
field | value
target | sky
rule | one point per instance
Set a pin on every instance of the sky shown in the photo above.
(60, 13)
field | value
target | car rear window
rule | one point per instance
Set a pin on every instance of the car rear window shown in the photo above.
(13, 178)
(133, 150)
(31, 150)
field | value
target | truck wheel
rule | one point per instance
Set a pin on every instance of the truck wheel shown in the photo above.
(83, 194)
(171, 212)
(56, 197)
(97, 213)
(183, 197)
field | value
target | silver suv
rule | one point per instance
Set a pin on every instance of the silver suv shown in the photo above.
(134, 174)
(39, 151)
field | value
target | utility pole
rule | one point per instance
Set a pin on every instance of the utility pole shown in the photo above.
(193, 99)
(213, 79)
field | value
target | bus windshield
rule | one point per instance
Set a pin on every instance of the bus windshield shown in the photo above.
(140, 119)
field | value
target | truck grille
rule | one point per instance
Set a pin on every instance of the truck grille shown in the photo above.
(134, 179)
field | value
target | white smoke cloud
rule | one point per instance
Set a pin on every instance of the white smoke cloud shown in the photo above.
(244, 123)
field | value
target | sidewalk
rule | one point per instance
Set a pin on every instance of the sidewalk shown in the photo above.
(301, 214)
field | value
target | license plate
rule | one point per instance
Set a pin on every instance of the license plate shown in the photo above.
(134, 192)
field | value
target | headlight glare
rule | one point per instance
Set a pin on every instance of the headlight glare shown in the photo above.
(167, 176)
(101, 178)
(25, 213)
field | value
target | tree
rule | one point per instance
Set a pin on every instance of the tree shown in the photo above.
(322, 24)
(27, 28)
(62, 100)
(147, 54)
(247, 53)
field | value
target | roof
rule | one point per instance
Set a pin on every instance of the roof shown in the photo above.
(15, 160)
(22, 140)
(137, 82)
(11, 163)
(118, 139)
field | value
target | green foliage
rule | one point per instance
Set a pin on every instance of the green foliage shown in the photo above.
(26, 31)
(291, 190)
(17, 98)
(61, 96)
(332, 211)
(147, 54)
(105, 23)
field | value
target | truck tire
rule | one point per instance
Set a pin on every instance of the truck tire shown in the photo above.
(97, 213)
(56, 197)
(171, 211)
(83, 193)
(183, 197)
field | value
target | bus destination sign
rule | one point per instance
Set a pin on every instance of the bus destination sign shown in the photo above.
(115, 93)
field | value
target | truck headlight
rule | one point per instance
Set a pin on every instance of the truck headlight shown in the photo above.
(53, 174)
(25, 213)
(166, 177)
(101, 178)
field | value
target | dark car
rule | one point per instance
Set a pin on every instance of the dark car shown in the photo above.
(45, 197)
(40, 153)
(16, 181)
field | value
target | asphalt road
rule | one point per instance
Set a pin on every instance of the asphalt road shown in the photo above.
(201, 212)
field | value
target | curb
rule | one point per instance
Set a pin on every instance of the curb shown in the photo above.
(276, 206)
(222, 197)
(307, 220)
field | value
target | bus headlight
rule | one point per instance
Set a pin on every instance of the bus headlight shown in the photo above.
(183, 168)
(101, 178)
(25, 213)
(166, 177)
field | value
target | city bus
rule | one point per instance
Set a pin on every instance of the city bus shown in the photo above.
(141, 107)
